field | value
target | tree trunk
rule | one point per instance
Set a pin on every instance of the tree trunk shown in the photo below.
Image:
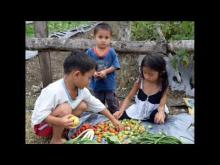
(121, 30)
(43, 44)
(41, 31)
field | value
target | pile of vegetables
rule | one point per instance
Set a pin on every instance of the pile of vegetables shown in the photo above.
(132, 128)
(105, 132)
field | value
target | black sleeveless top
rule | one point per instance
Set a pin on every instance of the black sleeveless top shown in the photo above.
(154, 99)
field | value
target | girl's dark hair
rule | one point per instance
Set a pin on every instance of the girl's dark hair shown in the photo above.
(156, 62)
(78, 60)
(102, 26)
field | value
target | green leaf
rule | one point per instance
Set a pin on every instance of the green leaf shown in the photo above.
(112, 140)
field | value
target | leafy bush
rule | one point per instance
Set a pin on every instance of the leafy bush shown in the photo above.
(182, 56)
(172, 30)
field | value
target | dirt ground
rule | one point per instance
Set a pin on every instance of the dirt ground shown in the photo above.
(34, 86)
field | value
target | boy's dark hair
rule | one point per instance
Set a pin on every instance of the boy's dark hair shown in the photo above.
(103, 26)
(156, 62)
(78, 60)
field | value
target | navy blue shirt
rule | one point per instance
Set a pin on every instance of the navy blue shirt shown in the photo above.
(109, 60)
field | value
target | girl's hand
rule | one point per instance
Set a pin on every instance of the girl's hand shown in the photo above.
(159, 117)
(118, 114)
(66, 121)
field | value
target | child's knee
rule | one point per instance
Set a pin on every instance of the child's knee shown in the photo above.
(63, 109)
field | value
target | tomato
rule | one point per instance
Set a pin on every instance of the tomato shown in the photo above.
(105, 129)
(87, 126)
(111, 130)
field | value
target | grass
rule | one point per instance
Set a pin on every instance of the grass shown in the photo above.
(57, 26)
(30, 137)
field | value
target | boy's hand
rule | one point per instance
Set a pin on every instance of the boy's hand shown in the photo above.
(118, 125)
(159, 117)
(102, 74)
(114, 121)
(66, 121)
(118, 114)
(96, 74)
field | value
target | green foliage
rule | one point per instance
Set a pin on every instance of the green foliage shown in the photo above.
(178, 30)
(29, 30)
(172, 30)
(158, 138)
(57, 26)
(182, 56)
(143, 30)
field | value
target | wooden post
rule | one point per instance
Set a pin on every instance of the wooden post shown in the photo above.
(41, 31)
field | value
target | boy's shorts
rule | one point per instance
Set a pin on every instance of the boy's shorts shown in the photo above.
(111, 99)
(43, 129)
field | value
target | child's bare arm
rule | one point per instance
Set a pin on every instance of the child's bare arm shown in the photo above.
(160, 116)
(103, 73)
(127, 100)
(163, 101)
(110, 70)
(131, 94)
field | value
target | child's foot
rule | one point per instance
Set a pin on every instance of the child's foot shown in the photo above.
(60, 141)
